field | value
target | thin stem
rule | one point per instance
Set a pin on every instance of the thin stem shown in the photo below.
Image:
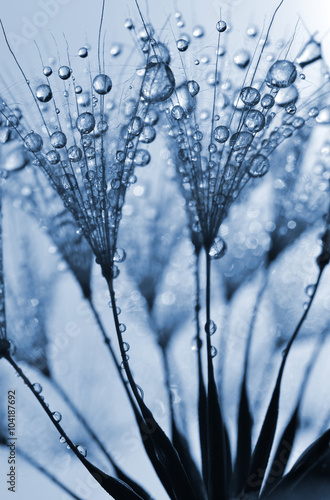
(48, 474)
(167, 374)
(56, 424)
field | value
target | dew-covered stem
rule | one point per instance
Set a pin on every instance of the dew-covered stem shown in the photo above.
(49, 413)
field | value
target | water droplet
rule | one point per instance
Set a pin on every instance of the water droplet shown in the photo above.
(182, 44)
(82, 450)
(242, 58)
(148, 134)
(62, 440)
(287, 96)
(221, 134)
(158, 84)
(252, 31)
(33, 142)
(281, 74)
(126, 346)
(57, 416)
(309, 290)
(221, 26)
(37, 388)
(102, 84)
(83, 52)
(74, 153)
(177, 112)
(85, 123)
(122, 327)
(115, 50)
(310, 53)
(102, 126)
(120, 255)
(267, 101)
(193, 88)
(140, 391)
(259, 166)
(210, 328)
(214, 351)
(64, 72)
(254, 121)
(198, 31)
(44, 93)
(218, 249)
(135, 126)
(241, 140)
(15, 160)
(324, 116)
(250, 96)
(78, 89)
(58, 140)
(53, 157)
(196, 344)
(129, 24)
(141, 158)
(47, 71)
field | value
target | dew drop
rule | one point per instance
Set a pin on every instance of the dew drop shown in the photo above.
(15, 160)
(250, 96)
(196, 344)
(242, 58)
(82, 450)
(140, 391)
(214, 351)
(44, 93)
(85, 123)
(126, 346)
(218, 249)
(158, 84)
(102, 84)
(182, 45)
(62, 440)
(78, 89)
(83, 52)
(53, 157)
(47, 71)
(37, 388)
(323, 116)
(287, 96)
(129, 24)
(259, 166)
(122, 327)
(57, 416)
(64, 72)
(267, 101)
(74, 153)
(177, 112)
(309, 290)
(120, 255)
(58, 140)
(254, 121)
(241, 140)
(210, 328)
(148, 134)
(221, 134)
(141, 158)
(198, 31)
(310, 53)
(115, 50)
(193, 88)
(33, 142)
(281, 74)
(221, 26)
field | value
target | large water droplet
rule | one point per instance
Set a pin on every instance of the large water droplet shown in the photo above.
(102, 84)
(58, 140)
(221, 134)
(218, 249)
(287, 96)
(310, 53)
(148, 134)
(53, 157)
(259, 166)
(75, 153)
(182, 44)
(44, 93)
(83, 52)
(254, 120)
(33, 142)
(281, 74)
(267, 101)
(193, 88)
(120, 255)
(250, 96)
(242, 58)
(141, 158)
(85, 123)
(241, 140)
(47, 71)
(15, 160)
(158, 83)
(177, 112)
(64, 72)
